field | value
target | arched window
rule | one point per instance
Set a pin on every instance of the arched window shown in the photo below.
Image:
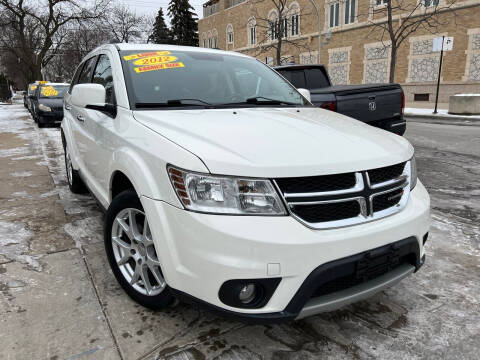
(294, 19)
(204, 40)
(252, 31)
(229, 34)
(273, 24)
(209, 37)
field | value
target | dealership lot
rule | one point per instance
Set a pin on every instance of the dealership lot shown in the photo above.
(59, 299)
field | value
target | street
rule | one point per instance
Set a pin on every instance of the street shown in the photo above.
(59, 299)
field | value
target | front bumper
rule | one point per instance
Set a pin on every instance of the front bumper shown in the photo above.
(200, 252)
(53, 117)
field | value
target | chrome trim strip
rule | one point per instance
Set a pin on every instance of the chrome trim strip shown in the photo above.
(398, 124)
(356, 293)
(386, 183)
(363, 217)
(359, 186)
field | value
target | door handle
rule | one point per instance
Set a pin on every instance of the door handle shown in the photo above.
(68, 107)
(80, 118)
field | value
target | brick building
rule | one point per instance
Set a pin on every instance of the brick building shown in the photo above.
(351, 47)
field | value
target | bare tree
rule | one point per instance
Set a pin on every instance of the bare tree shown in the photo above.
(278, 28)
(398, 19)
(32, 32)
(125, 24)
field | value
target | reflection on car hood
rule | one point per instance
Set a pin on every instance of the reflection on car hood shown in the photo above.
(277, 142)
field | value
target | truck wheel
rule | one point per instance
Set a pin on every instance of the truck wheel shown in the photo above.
(75, 183)
(132, 254)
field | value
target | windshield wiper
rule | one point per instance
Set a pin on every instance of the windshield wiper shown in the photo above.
(265, 100)
(173, 103)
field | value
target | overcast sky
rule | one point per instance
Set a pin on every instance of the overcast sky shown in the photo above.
(150, 7)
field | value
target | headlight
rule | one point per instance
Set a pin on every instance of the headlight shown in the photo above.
(44, 107)
(413, 172)
(225, 194)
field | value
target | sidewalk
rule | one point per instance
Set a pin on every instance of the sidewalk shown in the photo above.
(424, 111)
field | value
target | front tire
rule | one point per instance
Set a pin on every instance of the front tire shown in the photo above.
(132, 254)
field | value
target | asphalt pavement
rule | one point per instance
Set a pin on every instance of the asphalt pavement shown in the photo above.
(59, 299)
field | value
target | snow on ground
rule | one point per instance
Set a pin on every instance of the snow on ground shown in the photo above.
(440, 113)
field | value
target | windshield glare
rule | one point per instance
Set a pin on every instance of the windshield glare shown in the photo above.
(53, 91)
(217, 79)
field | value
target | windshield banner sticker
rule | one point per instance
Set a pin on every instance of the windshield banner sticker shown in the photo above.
(143, 69)
(49, 91)
(33, 87)
(146, 54)
(151, 60)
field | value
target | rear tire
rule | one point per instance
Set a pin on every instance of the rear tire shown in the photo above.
(131, 253)
(75, 182)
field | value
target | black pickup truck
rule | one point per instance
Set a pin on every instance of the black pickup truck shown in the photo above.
(380, 105)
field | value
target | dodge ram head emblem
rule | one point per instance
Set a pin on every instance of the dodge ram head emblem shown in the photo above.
(372, 106)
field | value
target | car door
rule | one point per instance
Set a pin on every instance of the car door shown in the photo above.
(77, 118)
(98, 126)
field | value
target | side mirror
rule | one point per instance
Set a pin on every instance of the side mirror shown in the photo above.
(305, 93)
(88, 94)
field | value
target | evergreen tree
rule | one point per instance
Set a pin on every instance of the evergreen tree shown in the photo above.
(184, 27)
(160, 32)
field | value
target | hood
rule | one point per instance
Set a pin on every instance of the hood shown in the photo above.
(51, 102)
(277, 142)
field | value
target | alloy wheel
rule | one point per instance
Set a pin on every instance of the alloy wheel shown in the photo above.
(135, 253)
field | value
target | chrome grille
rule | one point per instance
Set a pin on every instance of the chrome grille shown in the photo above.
(331, 201)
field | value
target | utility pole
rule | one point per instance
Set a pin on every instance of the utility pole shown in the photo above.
(319, 29)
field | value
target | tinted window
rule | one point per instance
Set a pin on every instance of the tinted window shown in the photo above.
(316, 79)
(103, 76)
(157, 77)
(296, 77)
(86, 73)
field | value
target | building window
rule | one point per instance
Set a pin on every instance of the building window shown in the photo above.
(284, 29)
(252, 31)
(349, 11)
(204, 43)
(381, 2)
(229, 34)
(210, 42)
(430, 3)
(294, 22)
(272, 24)
(334, 9)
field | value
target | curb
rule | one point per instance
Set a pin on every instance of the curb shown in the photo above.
(436, 117)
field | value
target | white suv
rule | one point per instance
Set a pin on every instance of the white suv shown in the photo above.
(223, 185)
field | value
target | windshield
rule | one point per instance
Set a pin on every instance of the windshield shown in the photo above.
(53, 91)
(176, 78)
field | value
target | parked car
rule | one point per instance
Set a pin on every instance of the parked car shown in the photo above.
(380, 105)
(30, 95)
(47, 103)
(224, 186)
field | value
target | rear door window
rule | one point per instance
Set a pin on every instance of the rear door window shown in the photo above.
(316, 79)
(296, 77)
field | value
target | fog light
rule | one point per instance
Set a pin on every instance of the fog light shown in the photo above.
(247, 294)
